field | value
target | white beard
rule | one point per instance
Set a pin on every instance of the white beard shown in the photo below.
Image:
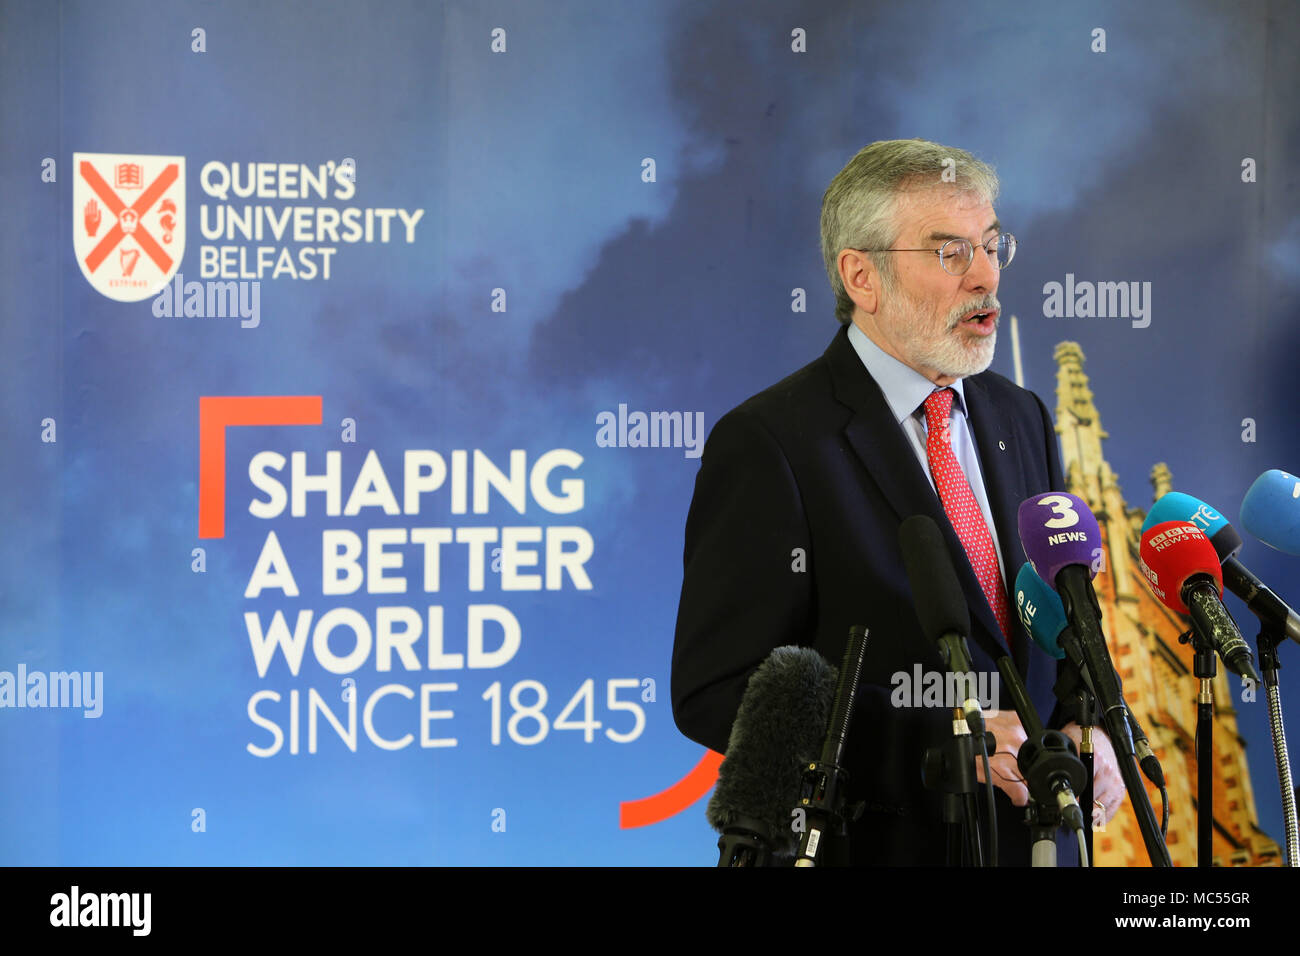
(928, 341)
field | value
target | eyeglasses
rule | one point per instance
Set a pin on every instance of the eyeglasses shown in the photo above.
(956, 255)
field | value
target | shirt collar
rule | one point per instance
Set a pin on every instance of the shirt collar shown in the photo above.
(905, 388)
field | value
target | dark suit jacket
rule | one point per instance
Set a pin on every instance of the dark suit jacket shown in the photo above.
(817, 462)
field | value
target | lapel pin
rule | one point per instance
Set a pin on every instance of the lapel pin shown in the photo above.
(1002, 445)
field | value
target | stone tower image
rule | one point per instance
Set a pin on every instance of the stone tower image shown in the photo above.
(1155, 667)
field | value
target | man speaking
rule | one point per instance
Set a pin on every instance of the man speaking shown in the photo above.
(792, 534)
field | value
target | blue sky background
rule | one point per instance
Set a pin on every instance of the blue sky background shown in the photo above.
(666, 295)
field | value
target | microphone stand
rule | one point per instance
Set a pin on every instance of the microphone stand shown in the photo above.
(950, 768)
(1270, 636)
(825, 781)
(1078, 690)
(1114, 717)
(1204, 666)
(1051, 770)
(1087, 715)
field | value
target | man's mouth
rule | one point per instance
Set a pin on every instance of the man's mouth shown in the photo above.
(983, 321)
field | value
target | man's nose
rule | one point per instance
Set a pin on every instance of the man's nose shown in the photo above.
(983, 274)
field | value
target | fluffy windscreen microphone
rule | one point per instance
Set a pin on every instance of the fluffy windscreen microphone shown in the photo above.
(779, 730)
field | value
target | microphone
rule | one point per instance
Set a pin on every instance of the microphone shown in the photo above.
(825, 782)
(1047, 759)
(1182, 569)
(1062, 540)
(945, 619)
(778, 731)
(1271, 510)
(1263, 603)
(940, 605)
(1043, 615)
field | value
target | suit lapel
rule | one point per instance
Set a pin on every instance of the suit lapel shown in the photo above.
(879, 442)
(1000, 449)
(876, 438)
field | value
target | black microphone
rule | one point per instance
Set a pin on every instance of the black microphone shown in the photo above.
(825, 782)
(941, 606)
(1047, 759)
(779, 729)
(1262, 601)
(1062, 540)
(1043, 615)
(945, 619)
(1146, 756)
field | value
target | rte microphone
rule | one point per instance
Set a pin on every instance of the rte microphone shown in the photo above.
(1271, 510)
(1182, 569)
(778, 731)
(1237, 578)
(1043, 615)
(940, 605)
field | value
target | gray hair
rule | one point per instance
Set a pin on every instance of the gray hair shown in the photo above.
(860, 205)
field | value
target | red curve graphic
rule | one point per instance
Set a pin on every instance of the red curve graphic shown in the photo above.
(675, 799)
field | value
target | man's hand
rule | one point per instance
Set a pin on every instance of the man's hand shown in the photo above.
(1107, 784)
(1006, 775)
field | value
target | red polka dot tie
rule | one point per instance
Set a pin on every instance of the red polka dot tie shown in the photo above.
(961, 507)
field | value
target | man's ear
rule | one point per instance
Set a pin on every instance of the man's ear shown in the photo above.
(861, 279)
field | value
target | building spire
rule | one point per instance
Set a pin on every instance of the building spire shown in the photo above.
(1153, 664)
(1162, 481)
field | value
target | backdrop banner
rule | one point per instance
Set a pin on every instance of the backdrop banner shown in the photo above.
(359, 359)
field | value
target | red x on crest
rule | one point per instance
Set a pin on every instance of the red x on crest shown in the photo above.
(141, 206)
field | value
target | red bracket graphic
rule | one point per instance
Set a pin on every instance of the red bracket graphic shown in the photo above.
(216, 413)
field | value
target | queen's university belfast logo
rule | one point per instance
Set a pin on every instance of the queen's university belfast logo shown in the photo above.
(128, 221)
